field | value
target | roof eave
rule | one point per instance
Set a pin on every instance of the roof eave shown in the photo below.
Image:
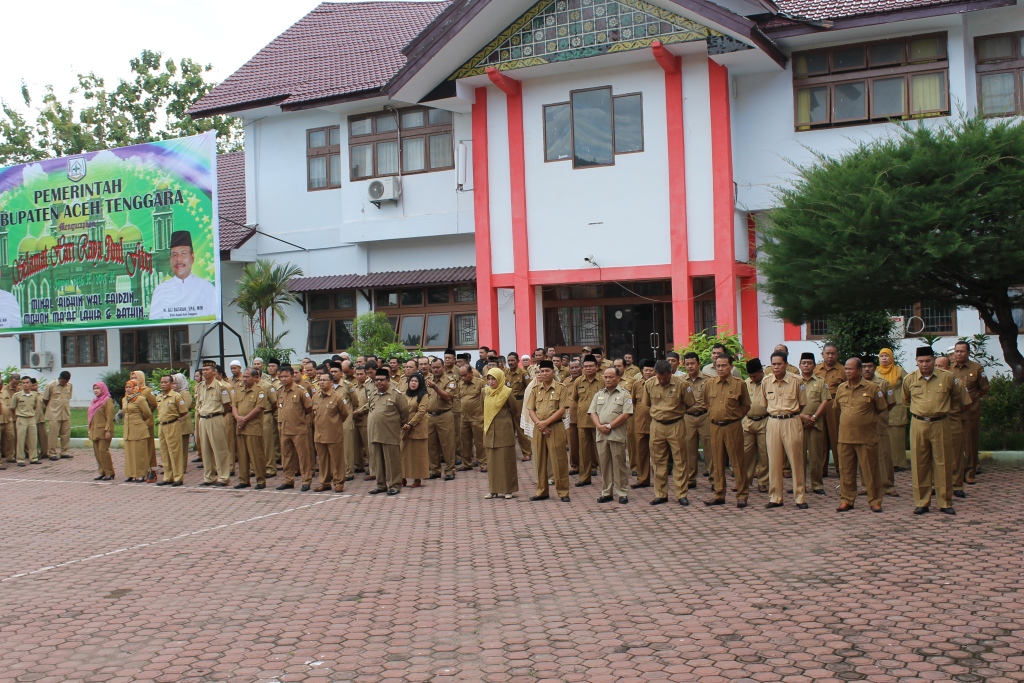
(886, 18)
(234, 108)
(334, 99)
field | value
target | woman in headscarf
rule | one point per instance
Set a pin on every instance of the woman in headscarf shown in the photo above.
(501, 415)
(898, 416)
(101, 429)
(181, 386)
(415, 458)
(137, 415)
(146, 393)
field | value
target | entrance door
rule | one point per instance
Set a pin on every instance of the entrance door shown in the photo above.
(634, 328)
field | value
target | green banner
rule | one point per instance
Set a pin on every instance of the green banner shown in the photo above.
(118, 238)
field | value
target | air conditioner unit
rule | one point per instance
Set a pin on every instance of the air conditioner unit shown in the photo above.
(41, 360)
(189, 352)
(385, 190)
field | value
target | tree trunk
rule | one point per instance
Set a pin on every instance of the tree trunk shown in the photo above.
(999, 317)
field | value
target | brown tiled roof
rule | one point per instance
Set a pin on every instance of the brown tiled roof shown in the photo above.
(841, 9)
(396, 278)
(336, 51)
(231, 200)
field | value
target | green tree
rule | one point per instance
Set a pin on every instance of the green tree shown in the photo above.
(372, 334)
(151, 106)
(701, 344)
(933, 213)
(861, 333)
(263, 293)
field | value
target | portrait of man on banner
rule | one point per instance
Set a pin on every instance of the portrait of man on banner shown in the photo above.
(185, 295)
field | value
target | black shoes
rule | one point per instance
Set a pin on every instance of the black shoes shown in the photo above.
(178, 483)
(920, 510)
(639, 486)
(623, 500)
(659, 501)
(242, 486)
(282, 487)
(434, 476)
(539, 497)
(376, 491)
(449, 477)
(305, 487)
(770, 506)
(605, 499)
(802, 506)
(260, 487)
(350, 478)
(959, 494)
(685, 502)
(54, 457)
(582, 483)
(947, 511)
(714, 501)
(565, 499)
(741, 504)
(102, 477)
(220, 484)
(818, 492)
(167, 483)
(392, 492)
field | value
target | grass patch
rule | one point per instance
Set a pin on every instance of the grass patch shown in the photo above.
(80, 424)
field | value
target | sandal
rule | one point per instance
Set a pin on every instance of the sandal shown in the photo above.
(416, 483)
(489, 496)
(509, 496)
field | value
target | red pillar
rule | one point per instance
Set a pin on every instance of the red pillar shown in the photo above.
(525, 300)
(682, 285)
(724, 198)
(486, 293)
(748, 299)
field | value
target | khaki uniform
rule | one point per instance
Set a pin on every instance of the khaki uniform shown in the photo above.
(330, 410)
(8, 439)
(898, 419)
(859, 406)
(833, 377)
(24, 408)
(387, 413)
(517, 381)
(710, 372)
(755, 437)
(573, 434)
(58, 411)
(785, 399)
(667, 405)
(697, 428)
(641, 433)
(582, 392)
(958, 463)
(293, 406)
(271, 431)
(471, 398)
(726, 400)
(611, 448)
(42, 438)
(816, 392)
(136, 440)
(103, 422)
(931, 442)
(972, 376)
(356, 445)
(252, 454)
(453, 385)
(187, 429)
(213, 400)
(147, 394)
(171, 410)
(549, 449)
(886, 473)
(441, 429)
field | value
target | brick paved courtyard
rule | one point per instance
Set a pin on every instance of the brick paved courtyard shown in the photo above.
(130, 582)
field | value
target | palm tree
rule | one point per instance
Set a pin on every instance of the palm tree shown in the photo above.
(263, 292)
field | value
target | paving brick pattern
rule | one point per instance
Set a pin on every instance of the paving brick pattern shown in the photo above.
(129, 582)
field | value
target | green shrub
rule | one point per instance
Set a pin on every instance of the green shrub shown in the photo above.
(701, 344)
(115, 381)
(1002, 414)
(283, 355)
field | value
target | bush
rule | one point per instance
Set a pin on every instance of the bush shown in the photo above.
(1002, 413)
(701, 344)
(372, 334)
(115, 381)
(860, 334)
(283, 355)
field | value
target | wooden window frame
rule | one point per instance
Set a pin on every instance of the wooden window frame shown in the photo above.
(178, 364)
(331, 315)
(572, 127)
(398, 313)
(917, 313)
(94, 335)
(425, 131)
(808, 335)
(327, 151)
(21, 350)
(1009, 65)
(868, 75)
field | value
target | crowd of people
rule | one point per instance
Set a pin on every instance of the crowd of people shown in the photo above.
(584, 415)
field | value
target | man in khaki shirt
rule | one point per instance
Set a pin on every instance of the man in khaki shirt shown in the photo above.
(471, 398)
(388, 413)
(886, 472)
(25, 405)
(573, 434)
(330, 410)
(171, 411)
(441, 421)
(451, 381)
(931, 395)
(698, 429)
(57, 399)
(213, 400)
(832, 372)
(785, 397)
(8, 438)
(356, 445)
(958, 462)
(582, 392)
(668, 399)
(859, 404)
(641, 451)
(252, 404)
(728, 402)
(755, 428)
(609, 411)
(294, 405)
(547, 405)
(516, 379)
(818, 398)
(972, 376)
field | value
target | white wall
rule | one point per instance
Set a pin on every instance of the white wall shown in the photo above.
(500, 196)
(700, 204)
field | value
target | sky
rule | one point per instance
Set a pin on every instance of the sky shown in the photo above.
(54, 40)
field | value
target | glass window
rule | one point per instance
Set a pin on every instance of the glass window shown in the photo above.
(851, 101)
(412, 297)
(335, 135)
(412, 330)
(810, 63)
(154, 347)
(345, 299)
(385, 123)
(319, 301)
(361, 127)
(629, 124)
(362, 161)
(318, 333)
(927, 49)
(387, 298)
(437, 295)
(812, 105)
(938, 319)
(557, 132)
(817, 328)
(465, 329)
(465, 294)
(995, 48)
(342, 334)
(997, 94)
(592, 128)
(387, 158)
(888, 97)
(848, 58)
(334, 164)
(178, 337)
(587, 325)
(28, 345)
(927, 93)
(413, 155)
(317, 138)
(317, 172)
(127, 348)
(437, 330)
(439, 117)
(441, 151)
(413, 119)
(68, 356)
(886, 54)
